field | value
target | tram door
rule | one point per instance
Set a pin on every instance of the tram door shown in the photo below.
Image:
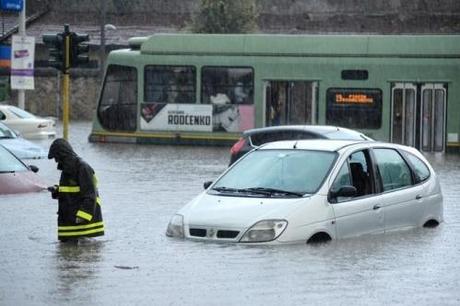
(290, 102)
(404, 114)
(433, 118)
(418, 116)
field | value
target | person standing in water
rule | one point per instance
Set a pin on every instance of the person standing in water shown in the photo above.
(79, 211)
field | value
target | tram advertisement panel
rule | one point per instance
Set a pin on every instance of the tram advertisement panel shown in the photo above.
(232, 117)
(196, 117)
(176, 117)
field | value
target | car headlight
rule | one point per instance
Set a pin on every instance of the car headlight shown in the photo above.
(176, 227)
(263, 231)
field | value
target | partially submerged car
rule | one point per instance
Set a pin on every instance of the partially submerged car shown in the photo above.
(16, 177)
(314, 190)
(19, 146)
(254, 138)
(27, 124)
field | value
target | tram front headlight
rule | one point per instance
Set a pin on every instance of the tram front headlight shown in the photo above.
(264, 231)
(176, 227)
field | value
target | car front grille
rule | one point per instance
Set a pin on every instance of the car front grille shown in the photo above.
(198, 232)
(212, 233)
(227, 234)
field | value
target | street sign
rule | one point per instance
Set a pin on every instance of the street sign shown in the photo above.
(11, 5)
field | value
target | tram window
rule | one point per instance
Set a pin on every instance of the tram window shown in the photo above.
(117, 108)
(169, 84)
(355, 74)
(354, 108)
(227, 85)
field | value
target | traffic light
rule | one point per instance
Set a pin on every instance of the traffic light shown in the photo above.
(79, 49)
(56, 46)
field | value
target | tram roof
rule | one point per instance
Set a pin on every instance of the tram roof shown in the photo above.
(301, 45)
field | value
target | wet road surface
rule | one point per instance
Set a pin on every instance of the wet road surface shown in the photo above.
(142, 186)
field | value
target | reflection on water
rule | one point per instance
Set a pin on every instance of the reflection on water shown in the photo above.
(142, 186)
(76, 265)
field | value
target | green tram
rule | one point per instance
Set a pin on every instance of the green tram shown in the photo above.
(207, 89)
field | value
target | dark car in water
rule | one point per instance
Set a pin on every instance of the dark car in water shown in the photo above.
(254, 138)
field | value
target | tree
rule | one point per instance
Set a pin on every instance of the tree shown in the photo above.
(225, 16)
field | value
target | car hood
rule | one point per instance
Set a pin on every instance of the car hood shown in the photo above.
(21, 182)
(23, 149)
(237, 212)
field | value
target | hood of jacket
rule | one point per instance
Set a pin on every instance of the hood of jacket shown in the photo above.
(65, 156)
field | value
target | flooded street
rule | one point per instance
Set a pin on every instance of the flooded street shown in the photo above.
(142, 186)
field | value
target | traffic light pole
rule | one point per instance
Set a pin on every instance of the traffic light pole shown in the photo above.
(67, 50)
(66, 83)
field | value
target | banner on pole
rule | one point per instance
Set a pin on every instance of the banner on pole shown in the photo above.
(22, 62)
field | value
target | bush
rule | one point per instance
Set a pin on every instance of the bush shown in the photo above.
(225, 16)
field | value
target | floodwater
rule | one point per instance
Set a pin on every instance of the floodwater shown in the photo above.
(142, 186)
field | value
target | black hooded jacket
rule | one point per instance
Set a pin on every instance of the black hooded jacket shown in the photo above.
(77, 194)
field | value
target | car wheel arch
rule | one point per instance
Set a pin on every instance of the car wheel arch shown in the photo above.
(319, 237)
(431, 223)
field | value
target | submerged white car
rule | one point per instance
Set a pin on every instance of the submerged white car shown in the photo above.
(314, 190)
(28, 125)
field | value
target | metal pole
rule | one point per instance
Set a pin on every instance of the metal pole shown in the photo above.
(22, 33)
(102, 51)
(65, 84)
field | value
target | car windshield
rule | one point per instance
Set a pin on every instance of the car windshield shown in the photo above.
(21, 113)
(6, 132)
(9, 163)
(282, 172)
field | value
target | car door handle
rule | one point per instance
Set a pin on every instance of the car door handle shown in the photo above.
(418, 197)
(376, 206)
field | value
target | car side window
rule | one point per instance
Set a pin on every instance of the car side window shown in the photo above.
(343, 179)
(360, 173)
(394, 171)
(355, 172)
(421, 170)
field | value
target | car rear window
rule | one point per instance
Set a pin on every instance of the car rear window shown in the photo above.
(21, 113)
(421, 169)
(341, 135)
(261, 138)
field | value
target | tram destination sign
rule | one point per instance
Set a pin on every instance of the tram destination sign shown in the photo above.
(354, 96)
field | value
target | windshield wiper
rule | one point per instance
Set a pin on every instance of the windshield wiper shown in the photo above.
(226, 189)
(8, 171)
(270, 191)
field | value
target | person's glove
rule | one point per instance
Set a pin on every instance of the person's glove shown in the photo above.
(54, 191)
(52, 188)
(79, 220)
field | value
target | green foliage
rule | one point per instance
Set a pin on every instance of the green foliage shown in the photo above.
(225, 16)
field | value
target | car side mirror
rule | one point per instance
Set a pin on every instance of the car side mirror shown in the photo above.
(2, 116)
(344, 191)
(33, 168)
(207, 184)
